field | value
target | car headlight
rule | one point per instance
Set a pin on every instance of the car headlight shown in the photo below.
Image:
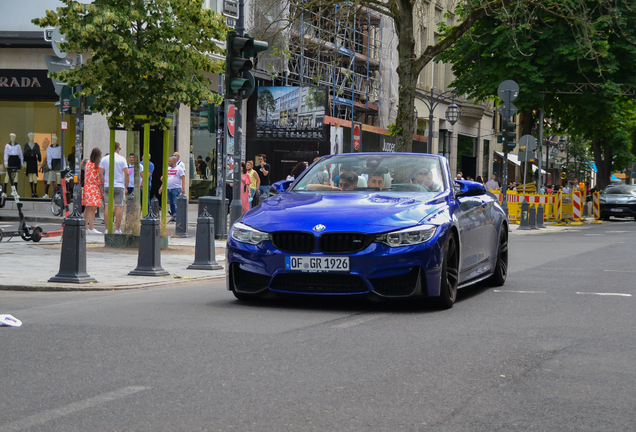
(246, 234)
(407, 237)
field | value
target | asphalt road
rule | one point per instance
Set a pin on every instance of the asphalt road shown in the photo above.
(547, 352)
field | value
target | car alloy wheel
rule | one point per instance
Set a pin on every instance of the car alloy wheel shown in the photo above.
(450, 274)
(501, 268)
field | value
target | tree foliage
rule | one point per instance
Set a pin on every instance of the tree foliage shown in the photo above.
(408, 17)
(146, 56)
(549, 56)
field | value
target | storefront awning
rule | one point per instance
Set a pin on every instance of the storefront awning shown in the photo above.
(512, 158)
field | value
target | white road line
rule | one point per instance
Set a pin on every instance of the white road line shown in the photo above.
(357, 321)
(603, 235)
(606, 294)
(52, 414)
(621, 271)
(522, 292)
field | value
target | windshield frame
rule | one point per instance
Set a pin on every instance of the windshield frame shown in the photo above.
(399, 170)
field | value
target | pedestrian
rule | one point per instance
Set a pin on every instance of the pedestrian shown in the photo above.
(263, 171)
(542, 189)
(297, 170)
(492, 184)
(460, 175)
(179, 161)
(120, 182)
(479, 179)
(254, 186)
(93, 193)
(246, 181)
(566, 189)
(151, 169)
(131, 175)
(176, 185)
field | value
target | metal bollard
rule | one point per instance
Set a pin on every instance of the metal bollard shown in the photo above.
(181, 228)
(149, 258)
(204, 252)
(532, 217)
(154, 206)
(540, 223)
(523, 223)
(73, 256)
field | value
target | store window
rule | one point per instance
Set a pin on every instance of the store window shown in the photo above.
(202, 156)
(42, 122)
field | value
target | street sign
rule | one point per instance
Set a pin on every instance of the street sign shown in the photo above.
(357, 137)
(56, 64)
(64, 125)
(230, 120)
(529, 142)
(56, 39)
(508, 91)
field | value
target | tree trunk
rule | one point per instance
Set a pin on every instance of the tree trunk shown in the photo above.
(603, 160)
(407, 78)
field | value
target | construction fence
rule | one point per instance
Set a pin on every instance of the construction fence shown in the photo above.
(556, 207)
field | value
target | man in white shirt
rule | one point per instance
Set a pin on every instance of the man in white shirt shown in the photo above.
(180, 163)
(176, 185)
(492, 184)
(120, 181)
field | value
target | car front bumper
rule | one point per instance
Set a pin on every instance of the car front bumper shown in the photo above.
(618, 210)
(377, 270)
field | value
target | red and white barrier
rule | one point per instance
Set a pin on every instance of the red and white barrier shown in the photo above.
(596, 206)
(576, 205)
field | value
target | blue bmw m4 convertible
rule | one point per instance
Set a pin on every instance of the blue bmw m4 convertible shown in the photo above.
(384, 225)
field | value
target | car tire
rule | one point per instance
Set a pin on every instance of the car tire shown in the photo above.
(450, 274)
(498, 278)
(605, 218)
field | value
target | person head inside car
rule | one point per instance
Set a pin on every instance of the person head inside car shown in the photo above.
(348, 181)
(376, 179)
(424, 177)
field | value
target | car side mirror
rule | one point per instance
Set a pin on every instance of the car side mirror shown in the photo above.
(466, 188)
(280, 186)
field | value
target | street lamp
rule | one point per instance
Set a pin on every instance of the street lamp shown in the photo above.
(431, 101)
(562, 144)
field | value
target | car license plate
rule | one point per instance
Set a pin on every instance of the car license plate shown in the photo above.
(317, 264)
(616, 209)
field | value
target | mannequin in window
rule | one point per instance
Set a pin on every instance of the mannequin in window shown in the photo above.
(12, 159)
(54, 163)
(32, 158)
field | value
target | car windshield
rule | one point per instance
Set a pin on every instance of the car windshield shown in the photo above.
(621, 190)
(363, 172)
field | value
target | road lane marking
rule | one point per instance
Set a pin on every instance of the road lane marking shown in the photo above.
(621, 271)
(357, 321)
(52, 414)
(522, 292)
(606, 294)
(603, 235)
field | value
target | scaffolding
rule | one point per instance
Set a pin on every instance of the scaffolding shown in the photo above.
(339, 48)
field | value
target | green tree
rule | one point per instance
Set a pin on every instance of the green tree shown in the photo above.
(266, 103)
(409, 18)
(146, 56)
(545, 57)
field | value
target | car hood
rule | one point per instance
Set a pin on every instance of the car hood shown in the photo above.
(342, 211)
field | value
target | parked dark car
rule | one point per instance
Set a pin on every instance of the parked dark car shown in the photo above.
(618, 200)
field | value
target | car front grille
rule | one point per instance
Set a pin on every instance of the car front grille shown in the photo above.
(246, 281)
(397, 286)
(319, 283)
(344, 242)
(294, 241)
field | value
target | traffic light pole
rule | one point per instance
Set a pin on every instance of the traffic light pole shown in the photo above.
(236, 207)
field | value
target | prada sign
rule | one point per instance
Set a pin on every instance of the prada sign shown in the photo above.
(26, 84)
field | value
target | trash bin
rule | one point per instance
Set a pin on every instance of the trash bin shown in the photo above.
(215, 209)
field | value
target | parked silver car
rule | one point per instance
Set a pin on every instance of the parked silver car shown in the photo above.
(618, 200)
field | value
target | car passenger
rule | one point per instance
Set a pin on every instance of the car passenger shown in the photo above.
(348, 181)
(424, 177)
(376, 180)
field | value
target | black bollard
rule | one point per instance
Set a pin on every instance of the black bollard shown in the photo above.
(154, 206)
(73, 256)
(149, 258)
(181, 228)
(540, 223)
(532, 217)
(204, 252)
(523, 223)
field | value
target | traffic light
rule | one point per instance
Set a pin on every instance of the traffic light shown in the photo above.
(236, 64)
(256, 46)
(509, 131)
(208, 112)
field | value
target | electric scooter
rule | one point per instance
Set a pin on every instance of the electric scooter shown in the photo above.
(60, 203)
(27, 232)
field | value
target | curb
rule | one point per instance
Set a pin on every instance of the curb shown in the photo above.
(103, 287)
